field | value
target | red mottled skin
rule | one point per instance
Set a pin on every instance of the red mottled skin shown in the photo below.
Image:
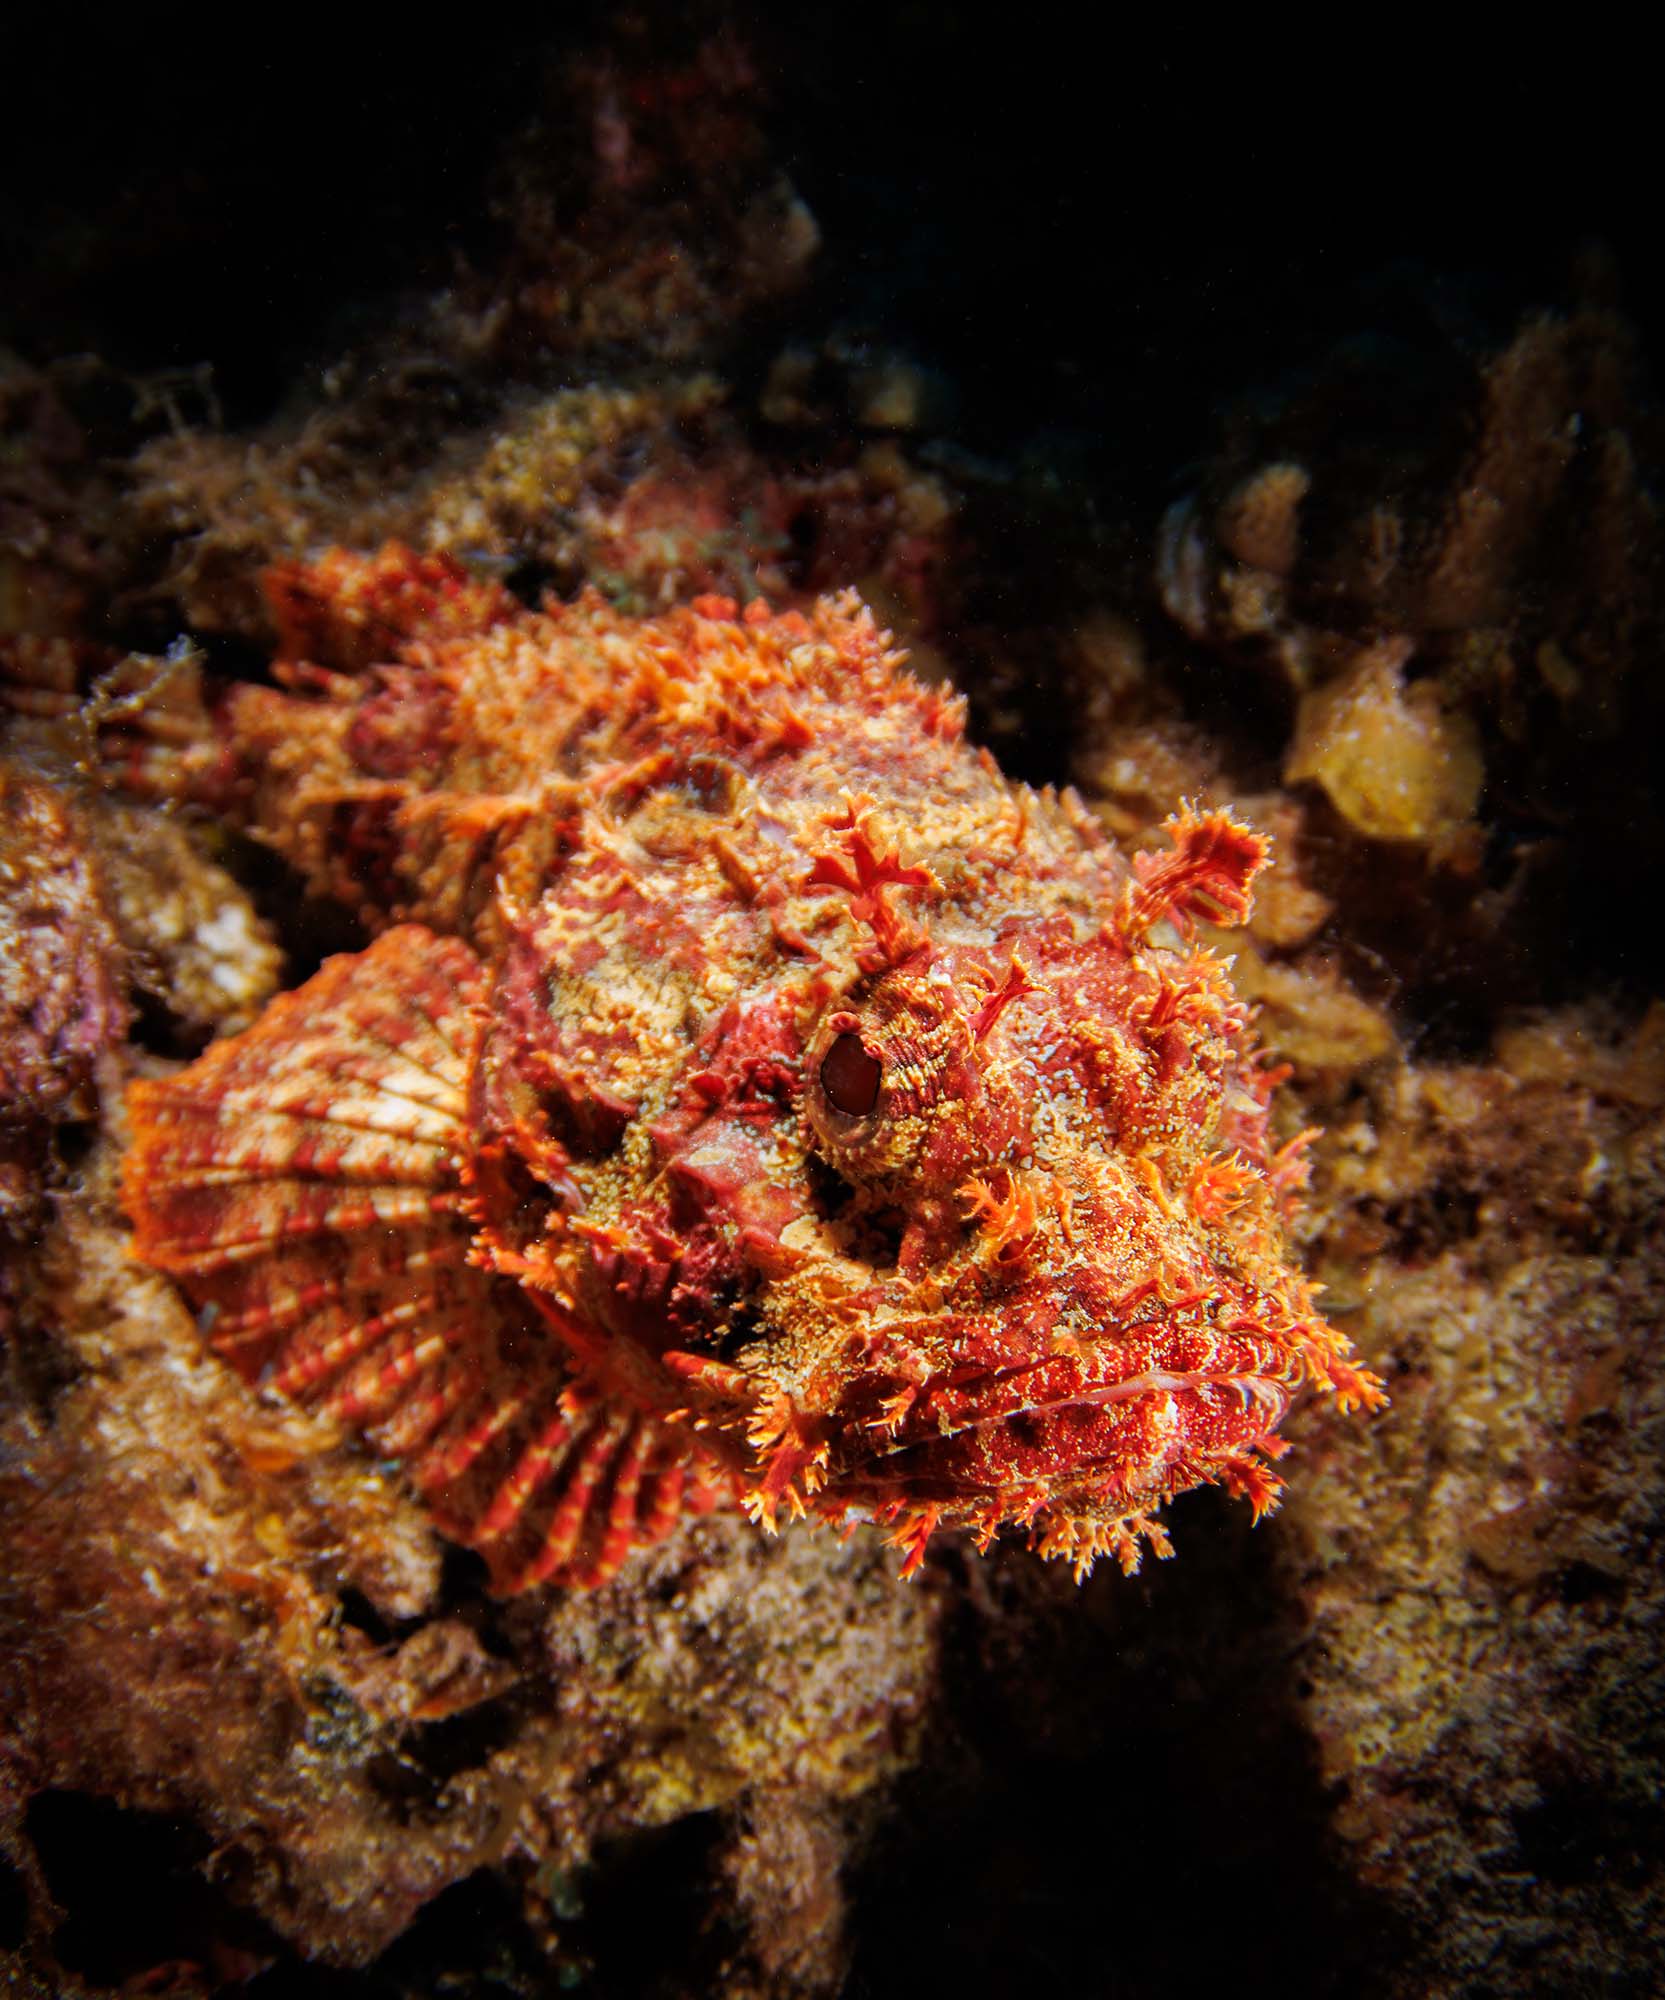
(750, 1093)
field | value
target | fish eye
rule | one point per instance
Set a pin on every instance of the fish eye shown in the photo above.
(850, 1074)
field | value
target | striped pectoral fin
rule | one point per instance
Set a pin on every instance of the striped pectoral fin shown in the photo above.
(559, 1484)
(303, 1182)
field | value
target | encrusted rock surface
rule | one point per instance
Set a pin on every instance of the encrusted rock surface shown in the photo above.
(1482, 1588)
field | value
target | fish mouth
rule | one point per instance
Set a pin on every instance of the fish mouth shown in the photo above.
(1055, 1425)
(972, 1399)
(1250, 1389)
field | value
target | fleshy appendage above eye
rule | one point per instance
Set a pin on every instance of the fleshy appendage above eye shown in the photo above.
(851, 1075)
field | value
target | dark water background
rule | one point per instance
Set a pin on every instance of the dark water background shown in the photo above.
(1094, 226)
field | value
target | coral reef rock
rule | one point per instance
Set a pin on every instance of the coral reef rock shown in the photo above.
(1482, 1582)
(1473, 599)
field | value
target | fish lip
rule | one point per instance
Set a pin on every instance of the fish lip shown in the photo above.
(905, 1463)
(1272, 1393)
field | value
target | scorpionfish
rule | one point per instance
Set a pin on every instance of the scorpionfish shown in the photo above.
(749, 1095)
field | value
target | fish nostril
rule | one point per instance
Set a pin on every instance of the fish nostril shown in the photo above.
(850, 1076)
